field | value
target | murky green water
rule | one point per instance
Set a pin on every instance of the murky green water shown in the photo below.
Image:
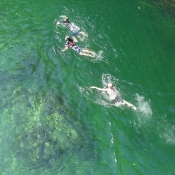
(52, 123)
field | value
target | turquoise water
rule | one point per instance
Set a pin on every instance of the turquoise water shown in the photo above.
(53, 123)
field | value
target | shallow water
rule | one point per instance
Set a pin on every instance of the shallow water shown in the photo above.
(53, 123)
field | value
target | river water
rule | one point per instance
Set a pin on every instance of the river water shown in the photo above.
(53, 123)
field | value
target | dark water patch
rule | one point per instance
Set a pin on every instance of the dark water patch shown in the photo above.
(167, 5)
(41, 136)
(44, 132)
(43, 129)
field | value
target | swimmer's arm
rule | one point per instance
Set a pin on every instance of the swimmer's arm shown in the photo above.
(100, 89)
(66, 47)
(60, 22)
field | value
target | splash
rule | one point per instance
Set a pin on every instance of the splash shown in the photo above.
(58, 23)
(144, 112)
(107, 78)
(99, 55)
(169, 135)
(144, 106)
(166, 131)
(98, 97)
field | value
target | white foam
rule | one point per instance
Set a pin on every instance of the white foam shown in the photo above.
(107, 78)
(143, 106)
(99, 55)
(166, 131)
(144, 112)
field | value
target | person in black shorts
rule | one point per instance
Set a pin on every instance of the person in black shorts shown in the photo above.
(71, 43)
(114, 96)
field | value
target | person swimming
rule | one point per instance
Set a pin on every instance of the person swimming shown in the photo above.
(72, 27)
(114, 96)
(71, 43)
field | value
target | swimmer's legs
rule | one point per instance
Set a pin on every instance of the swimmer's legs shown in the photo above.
(124, 102)
(87, 52)
(129, 105)
(80, 37)
(83, 33)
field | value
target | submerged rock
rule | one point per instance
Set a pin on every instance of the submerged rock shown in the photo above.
(44, 136)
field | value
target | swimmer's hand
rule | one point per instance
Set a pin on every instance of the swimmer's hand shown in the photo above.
(63, 50)
(92, 87)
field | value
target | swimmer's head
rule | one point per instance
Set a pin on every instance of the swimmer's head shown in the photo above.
(66, 19)
(67, 37)
(110, 85)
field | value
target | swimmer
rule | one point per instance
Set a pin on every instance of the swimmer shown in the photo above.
(114, 96)
(70, 43)
(73, 28)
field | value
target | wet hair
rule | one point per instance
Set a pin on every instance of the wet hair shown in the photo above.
(69, 39)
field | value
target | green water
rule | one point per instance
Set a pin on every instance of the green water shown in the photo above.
(52, 123)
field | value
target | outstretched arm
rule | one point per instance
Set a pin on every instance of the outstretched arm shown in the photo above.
(100, 89)
(66, 47)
